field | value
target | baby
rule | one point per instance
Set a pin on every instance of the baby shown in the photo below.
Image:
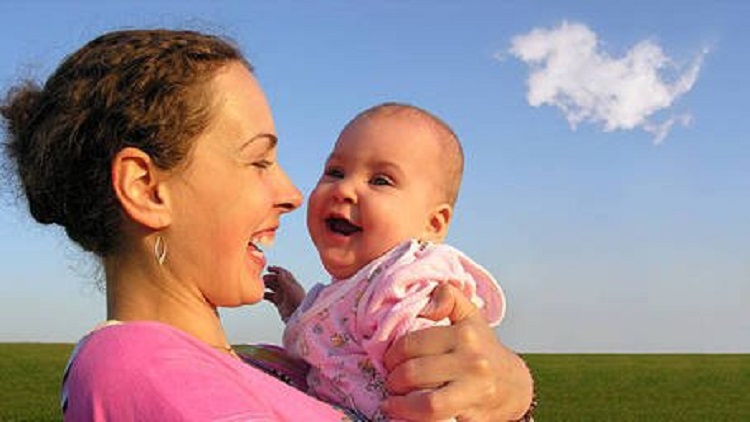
(377, 217)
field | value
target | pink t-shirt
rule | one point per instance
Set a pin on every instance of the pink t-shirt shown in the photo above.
(343, 329)
(148, 371)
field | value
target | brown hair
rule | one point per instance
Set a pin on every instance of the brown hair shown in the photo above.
(137, 88)
(452, 155)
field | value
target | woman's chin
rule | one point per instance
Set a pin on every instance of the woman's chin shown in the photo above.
(253, 290)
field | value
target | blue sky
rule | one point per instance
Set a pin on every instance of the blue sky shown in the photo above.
(608, 154)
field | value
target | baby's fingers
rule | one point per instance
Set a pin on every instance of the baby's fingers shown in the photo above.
(271, 297)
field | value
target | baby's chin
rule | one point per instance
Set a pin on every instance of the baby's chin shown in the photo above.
(340, 269)
(339, 273)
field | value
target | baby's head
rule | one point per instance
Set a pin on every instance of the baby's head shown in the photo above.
(393, 175)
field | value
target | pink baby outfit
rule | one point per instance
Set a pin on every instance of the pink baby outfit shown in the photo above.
(148, 371)
(343, 329)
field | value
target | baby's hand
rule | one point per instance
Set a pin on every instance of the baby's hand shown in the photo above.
(283, 290)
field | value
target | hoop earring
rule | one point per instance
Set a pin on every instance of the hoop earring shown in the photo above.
(160, 250)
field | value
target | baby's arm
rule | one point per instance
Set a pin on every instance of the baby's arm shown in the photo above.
(385, 313)
(283, 290)
(478, 377)
(392, 305)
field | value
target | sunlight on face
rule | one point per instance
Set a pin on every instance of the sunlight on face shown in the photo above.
(231, 195)
(378, 189)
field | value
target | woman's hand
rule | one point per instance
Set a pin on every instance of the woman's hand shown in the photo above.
(283, 290)
(460, 371)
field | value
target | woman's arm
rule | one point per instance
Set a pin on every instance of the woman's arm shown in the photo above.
(461, 370)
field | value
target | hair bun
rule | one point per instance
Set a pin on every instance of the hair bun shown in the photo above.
(145, 89)
(19, 110)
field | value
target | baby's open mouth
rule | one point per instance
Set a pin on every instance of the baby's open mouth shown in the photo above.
(342, 226)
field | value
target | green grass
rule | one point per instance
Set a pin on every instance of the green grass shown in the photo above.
(30, 377)
(642, 387)
(571, 387)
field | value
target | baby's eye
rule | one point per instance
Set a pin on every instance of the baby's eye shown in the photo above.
(381, 180)
(333, 172)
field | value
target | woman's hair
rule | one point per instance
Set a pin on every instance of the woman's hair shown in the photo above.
(138, 88)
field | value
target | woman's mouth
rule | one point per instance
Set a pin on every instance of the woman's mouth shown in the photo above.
(256, 252)
(263, 239)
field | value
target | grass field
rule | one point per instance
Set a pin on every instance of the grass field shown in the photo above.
(642, 387)
(30, 380)
(570, 387)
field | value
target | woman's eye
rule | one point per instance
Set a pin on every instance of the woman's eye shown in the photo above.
(262, 164)
(381, 181)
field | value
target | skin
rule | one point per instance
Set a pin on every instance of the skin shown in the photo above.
(462, 369)
(283, 291)
(384, 177)
(230, 192)
(383, 166)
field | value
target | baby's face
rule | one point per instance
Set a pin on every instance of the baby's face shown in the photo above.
(379, 187)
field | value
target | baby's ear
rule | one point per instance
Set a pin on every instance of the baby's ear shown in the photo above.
(438, 222)
(137, 183)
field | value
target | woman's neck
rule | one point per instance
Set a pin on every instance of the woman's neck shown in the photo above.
(140, 290)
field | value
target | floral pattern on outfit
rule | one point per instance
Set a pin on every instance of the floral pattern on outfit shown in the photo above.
(343, 329)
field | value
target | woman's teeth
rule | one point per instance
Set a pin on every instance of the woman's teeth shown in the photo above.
(255, 251)
(261, 242)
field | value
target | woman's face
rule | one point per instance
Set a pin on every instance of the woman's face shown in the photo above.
(228, 199)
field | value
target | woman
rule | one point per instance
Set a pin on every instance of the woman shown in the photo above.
(156, 151)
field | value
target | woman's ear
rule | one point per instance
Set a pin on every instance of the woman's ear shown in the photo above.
(139, 188)
(438, 222)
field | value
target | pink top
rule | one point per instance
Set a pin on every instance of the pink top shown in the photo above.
(343, 329)
(148, 371)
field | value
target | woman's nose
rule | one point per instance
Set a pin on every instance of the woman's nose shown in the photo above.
(289, 197)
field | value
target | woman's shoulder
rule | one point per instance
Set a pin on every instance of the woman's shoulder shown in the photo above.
(117, 366)
(159, 372)
(121, 339)
(113, 348)
(152, 371)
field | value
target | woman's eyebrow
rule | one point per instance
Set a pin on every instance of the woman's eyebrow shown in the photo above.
(271, 139)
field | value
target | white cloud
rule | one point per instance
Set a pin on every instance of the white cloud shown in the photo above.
(569, 70)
